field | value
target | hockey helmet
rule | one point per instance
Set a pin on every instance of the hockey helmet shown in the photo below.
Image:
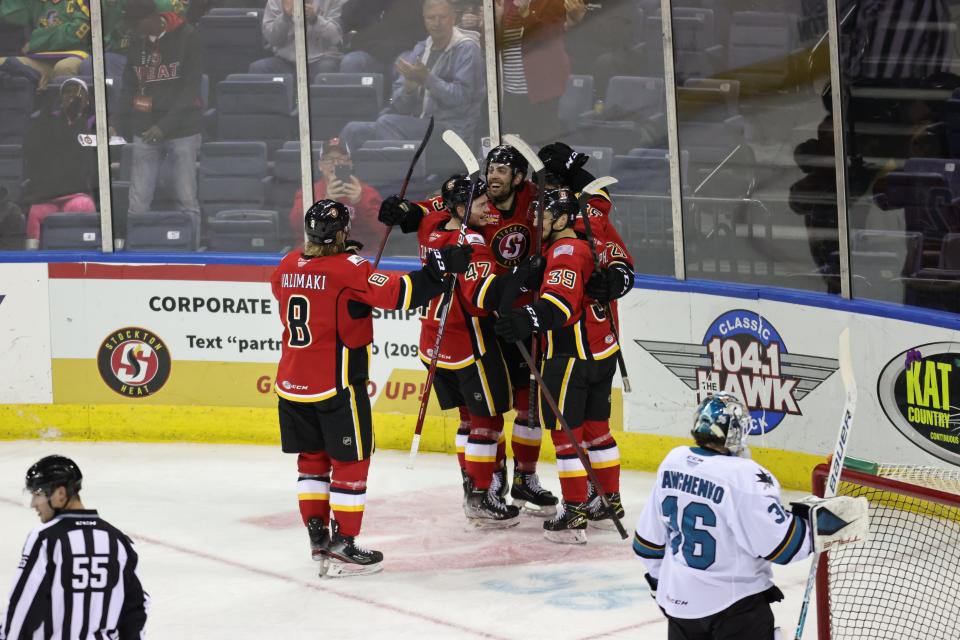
(324, 219)
(51, 472)
(722, 420)
(505, 154)
(559, 202)
(456, 191)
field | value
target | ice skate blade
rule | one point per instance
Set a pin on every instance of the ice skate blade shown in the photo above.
(546, 512)
(567, 536)
(486, 523)
(338, 569)
(323, 563)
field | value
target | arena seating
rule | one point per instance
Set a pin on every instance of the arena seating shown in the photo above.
(74, 231)
(162, 231)
(232, 175)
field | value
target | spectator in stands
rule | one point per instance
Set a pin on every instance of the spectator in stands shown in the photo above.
(59, 34)
(535, 65)
(376, 32)
(470, 17)
(61, 174)
(337, 182)
(324, 37)
(441, 77)
(160, 104)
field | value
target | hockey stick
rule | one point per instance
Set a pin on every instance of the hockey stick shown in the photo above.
(836, 462)
(540, 176)
(552, 403)
(590, 190)
(403, 188)
(459, 147)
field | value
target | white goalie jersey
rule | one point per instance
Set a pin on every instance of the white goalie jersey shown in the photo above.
(711, 528)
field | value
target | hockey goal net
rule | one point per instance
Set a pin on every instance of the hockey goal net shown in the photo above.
(904, 583)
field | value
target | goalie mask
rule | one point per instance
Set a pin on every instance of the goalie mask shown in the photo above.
(722, 420)
(324, 219)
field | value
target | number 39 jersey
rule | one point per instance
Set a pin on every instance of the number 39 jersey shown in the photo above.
(711, 528)
(327, 328)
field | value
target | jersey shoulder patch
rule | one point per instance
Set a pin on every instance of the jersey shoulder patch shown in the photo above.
(357, 260)
(563, 250)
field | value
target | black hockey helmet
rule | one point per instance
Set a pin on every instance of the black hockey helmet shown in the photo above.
(505, 154)
(559, 202)
(324, 219)
(51, 472)
(456, 191)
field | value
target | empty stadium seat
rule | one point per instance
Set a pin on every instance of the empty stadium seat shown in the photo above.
(697, 49)
(256, 107)
(925, 199)
(331, 107)
(244, 230)
(762, 48)
(709, 99)
(601, 159)
(384, 163)
(374, 80)
(885, 254)
(950, 252)
(74, 231)
(161, 231)
(232, 175)
(632, 117)
(11, 170)
(16, 104)
(949, 168)
(645, 171)
(576, 99)
(286, 176)
(229, 44)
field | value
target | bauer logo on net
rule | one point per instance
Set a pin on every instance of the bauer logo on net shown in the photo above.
(134, 362)
(743, 354)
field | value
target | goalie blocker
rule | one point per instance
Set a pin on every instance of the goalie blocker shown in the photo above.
(714, 524)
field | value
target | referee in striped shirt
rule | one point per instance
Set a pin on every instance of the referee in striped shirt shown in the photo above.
(78, 574)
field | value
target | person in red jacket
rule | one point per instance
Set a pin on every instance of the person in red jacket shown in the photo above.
(578, 368)
(325, 295)
(337, 182)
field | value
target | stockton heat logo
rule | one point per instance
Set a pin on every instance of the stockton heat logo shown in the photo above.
(744, 355)
(510, 245)
(134, 362)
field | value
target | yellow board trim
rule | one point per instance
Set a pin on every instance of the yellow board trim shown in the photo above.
(128, 422)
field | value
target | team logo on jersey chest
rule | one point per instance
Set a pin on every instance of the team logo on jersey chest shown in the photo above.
(134, 362)
(510, 244)
(743, 354)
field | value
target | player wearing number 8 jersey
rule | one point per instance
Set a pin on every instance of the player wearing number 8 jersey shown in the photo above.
(326, 294)
(78, 574)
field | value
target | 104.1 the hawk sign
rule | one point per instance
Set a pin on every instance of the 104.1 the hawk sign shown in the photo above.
(916, 390)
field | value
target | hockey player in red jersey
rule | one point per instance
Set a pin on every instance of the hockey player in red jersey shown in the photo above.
(578, 368)
(325, 295)
(471, 373)
(508, 230)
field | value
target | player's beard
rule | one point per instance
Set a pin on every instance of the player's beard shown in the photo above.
(502, 199)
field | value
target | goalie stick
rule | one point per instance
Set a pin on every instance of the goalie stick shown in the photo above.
(459, 147)
(836, 462)
(508, 295)
(590, 190)
(403, 187)
(540, 176)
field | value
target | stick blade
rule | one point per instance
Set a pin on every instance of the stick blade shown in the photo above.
(598, 184)
(460, 148)
(515, 141)
(846, 365)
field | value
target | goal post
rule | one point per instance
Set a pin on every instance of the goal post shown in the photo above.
(904, 582)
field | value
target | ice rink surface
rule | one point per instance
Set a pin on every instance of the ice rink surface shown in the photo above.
(224, 555)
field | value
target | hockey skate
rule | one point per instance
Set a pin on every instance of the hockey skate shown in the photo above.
(467, 487)
(498, 484)
(530, 497)
(347, 559)
(569, 526)
(319, 539)
(486, 510)
(598, 515)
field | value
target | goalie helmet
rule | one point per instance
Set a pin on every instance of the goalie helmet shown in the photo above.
(51, 472)
(722, 420)
(505, 154)
(558, 202)
(324, 219)
(456, 191)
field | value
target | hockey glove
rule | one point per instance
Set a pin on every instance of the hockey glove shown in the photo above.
(839, 520)
(518, 324)
(653, 582)
(352, 246)
(609, 283)
(561, 160)
(395, 210)
(450, 259)
(529, 273)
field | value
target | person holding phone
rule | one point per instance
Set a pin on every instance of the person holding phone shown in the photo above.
(337, 182)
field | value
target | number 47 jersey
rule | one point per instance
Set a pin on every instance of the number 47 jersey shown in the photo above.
(711, 528)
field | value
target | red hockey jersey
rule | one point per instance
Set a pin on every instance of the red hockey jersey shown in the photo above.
(510, 235)
(327, 330)
(469, 329)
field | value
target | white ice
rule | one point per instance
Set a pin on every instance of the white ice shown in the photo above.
(223, 553)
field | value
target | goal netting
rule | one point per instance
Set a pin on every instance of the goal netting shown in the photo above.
(904, 584)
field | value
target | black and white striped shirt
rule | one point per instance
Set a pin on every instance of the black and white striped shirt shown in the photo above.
(77, 579)
(897, 39)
